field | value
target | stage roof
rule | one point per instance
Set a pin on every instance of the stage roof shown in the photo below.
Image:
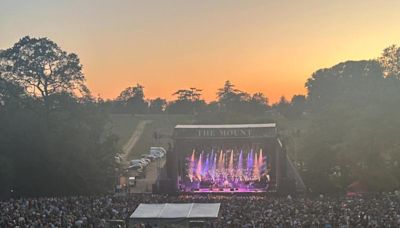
(176, 210)
(225, 131)
(267, 125)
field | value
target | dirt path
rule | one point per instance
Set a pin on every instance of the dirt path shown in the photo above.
(127, 148)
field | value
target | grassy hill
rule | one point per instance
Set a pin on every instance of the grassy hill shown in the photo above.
(123, 125)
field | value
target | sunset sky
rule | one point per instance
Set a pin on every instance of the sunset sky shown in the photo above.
(165, 45)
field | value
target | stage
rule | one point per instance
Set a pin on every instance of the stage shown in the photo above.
(238, 158)
(244, 169)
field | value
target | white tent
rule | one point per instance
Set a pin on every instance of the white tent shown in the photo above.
(176, 211)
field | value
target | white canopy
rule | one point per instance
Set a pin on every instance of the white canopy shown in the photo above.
(176, 210)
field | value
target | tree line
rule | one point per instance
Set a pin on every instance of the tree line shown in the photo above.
(189, 101)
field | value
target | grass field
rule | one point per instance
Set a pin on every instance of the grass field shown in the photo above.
(124, 126)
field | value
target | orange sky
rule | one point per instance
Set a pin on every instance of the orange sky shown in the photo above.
(165, 45)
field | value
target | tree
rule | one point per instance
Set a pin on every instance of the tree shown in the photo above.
(132, 99)
(192, 94)
(297, 106)
(41, 67)
(10, 92)
(130, 92)
(353, 127)
(231, 99)
(188, 102)
(63, 152)
(258, 103)
(229, 94)
(282, 106)
(157, 105)
(226, 92)
(390, 61)
(68, 153)
(351, 81)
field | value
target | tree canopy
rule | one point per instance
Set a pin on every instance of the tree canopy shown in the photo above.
(63, 152)
(353, 126)
(42, 68)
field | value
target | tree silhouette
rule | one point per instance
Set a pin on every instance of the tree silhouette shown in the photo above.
(229, 94)
(157, 105)
(298, 105)
(353, 125)
(390, 61)
(349, 81)
(188, 102)
(192, 94)
(132, 99)
(41, 67)
(10, 92)
(62, 152)
(232, 99)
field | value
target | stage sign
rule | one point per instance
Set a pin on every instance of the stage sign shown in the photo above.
(225, 131)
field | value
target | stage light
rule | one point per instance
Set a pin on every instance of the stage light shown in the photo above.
(224, 170)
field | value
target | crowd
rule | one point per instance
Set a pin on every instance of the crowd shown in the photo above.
(380, 210)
